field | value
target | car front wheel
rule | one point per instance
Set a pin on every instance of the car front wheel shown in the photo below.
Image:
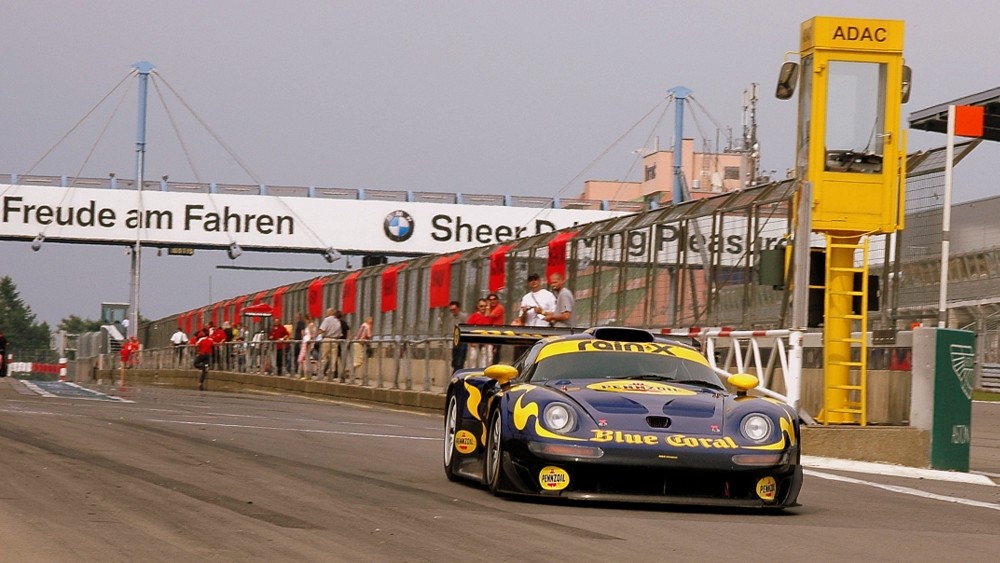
(450, 428)
(493, 473)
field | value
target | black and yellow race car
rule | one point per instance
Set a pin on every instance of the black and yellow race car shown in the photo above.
(617, 414)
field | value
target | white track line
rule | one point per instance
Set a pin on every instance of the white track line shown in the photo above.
(834, 464)
(904, 490)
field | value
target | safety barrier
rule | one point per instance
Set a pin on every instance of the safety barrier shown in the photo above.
(990, 378)
(37, 368)
(409, 364)
(739, 351)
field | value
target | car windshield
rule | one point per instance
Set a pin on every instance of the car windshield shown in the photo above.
(624, 365)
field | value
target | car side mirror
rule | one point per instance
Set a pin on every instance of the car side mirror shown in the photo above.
(787, 78)
(502, 373)
(743, 382)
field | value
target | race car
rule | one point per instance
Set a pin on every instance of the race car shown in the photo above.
(617, 414)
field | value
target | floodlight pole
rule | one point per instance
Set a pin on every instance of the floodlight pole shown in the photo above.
(680, 95)
(143, 68)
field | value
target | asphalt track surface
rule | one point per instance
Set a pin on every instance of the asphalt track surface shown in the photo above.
(180, 475)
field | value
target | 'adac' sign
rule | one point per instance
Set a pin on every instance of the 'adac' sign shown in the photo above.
(852, 33)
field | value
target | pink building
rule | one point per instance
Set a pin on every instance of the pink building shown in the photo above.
(706, 174)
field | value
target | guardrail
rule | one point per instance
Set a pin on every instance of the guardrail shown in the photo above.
(409, 364)
(990, 378)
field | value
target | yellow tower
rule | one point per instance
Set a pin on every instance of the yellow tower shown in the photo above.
(851, 149)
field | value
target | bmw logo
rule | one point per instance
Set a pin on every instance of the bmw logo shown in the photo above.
(398, 226)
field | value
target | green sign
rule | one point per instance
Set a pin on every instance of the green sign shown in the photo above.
(951, 434)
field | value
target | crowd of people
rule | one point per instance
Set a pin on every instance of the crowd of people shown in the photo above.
(324, 349)
(310, 349)
(538, 307)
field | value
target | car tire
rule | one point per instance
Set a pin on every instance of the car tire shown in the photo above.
(493, 472)
(450, 429)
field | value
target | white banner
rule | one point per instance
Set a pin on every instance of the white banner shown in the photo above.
(269, 222)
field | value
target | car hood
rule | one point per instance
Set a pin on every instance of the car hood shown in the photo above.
(645, 405)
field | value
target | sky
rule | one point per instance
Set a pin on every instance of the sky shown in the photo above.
(513, 97)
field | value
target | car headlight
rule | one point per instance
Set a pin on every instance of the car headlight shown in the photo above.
(559, 417)
(756, 427)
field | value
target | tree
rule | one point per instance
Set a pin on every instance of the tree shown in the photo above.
(24, 334)
(75, 325)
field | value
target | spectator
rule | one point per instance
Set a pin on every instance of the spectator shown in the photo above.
(218, 335)
(225, 355)
(309, 336)
(129, 352)
(480, 355)
(497, 313)
(179, 340)
(461, 349)
(329, 332)
(562, 315)
(536, 302)
(279, 335)
(297, 330)
(342, 351)
(361, 342)
(238, 349)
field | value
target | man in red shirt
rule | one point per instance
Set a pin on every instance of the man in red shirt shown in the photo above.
(279, 335)
(129, 350)
(203, 347)
(496, 312)
(219, 337)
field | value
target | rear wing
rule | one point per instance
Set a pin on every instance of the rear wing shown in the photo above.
(508, 334)
(527, 335)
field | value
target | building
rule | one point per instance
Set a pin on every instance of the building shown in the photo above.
(705, 173)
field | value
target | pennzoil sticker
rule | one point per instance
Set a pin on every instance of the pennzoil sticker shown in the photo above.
(645, 387)
(553, 478)
(767, 488)
(465, 442)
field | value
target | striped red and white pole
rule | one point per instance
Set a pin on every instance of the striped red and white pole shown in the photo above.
(62, 369)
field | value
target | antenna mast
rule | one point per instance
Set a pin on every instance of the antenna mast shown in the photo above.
(751, 148)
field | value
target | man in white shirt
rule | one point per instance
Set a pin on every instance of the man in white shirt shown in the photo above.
(329, 330)
(536, 303)
(179, 339)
